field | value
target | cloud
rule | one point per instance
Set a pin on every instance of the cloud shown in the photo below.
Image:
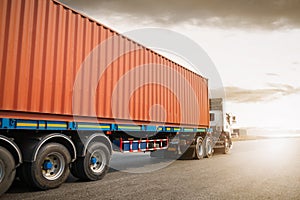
(275, 91)
(272, 74)
(267, 14)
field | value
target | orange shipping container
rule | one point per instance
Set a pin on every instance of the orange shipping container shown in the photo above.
(57, 63)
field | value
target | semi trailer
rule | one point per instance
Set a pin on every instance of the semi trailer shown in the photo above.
(57, 119)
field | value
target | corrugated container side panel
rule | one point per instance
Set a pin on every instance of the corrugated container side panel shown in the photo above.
(154, 86)
(144, 96)
(70, 60)
(159, 89)
(182, 97)
(4, 8)
(42, 47)
(97, 70)
(100, 98)
(61, 51)
(52, 76)
(174, 97)
(178, 107)
(184, 84)
(147, 76)
(49, 59)
(166, 90)
(43, 53)
(143, 76)
(9, 72)
(150, 91)
(188, 95)
(93, 72)
(131, 82)
(126, 108)
(137, 102)
(84, 84)
(117, 73)
(33, 65)
(5, 13)
(114, 69)
(171, 95)
(164, 112)
(195, 92)
(197, 88)
(166, 94)
(108, 85)
(201, 95)
(21, 88)
(120, 67)
(140, 103)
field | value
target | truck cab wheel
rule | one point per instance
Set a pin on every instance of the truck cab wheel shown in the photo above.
(7, 170)
(226, 146)
(94, 165)
(50, 169)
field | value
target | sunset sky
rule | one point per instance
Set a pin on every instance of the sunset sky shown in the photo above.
(255, 46)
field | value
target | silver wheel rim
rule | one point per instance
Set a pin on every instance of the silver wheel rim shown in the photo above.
(58, 166)
(209, 148)
(2, 173)
(226, 143)
(100, 162)
(200, 149)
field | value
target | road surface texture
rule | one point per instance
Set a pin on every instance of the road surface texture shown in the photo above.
(260, 169)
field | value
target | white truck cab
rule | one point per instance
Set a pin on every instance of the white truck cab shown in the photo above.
(221, 124)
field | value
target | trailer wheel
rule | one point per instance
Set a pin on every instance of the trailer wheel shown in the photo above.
(208, 147)
(94, 165)
(51, 168)
(199, 148)
(7, 170)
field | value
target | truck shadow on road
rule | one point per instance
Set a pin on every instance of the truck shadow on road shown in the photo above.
(130, 163)
(139, 163)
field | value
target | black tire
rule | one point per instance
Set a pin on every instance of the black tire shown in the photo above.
(208, 147)
(35, 174)
(199, 148)
(7, 170)
(84, 169)
(226, 148)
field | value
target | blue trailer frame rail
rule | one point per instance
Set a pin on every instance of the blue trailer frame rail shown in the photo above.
(13, 124)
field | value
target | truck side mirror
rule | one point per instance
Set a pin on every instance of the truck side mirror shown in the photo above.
(234, 119)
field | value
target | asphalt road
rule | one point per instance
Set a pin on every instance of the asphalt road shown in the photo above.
(261, 169)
